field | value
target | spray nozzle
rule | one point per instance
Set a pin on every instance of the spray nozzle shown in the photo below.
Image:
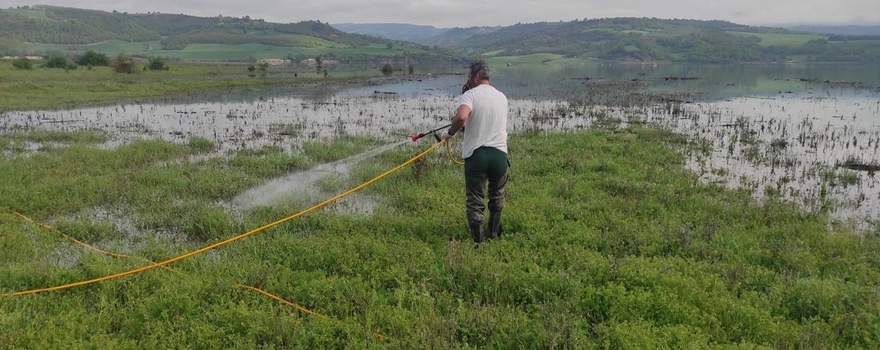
(416, 137)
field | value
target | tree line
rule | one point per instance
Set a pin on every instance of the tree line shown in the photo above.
(122, 63)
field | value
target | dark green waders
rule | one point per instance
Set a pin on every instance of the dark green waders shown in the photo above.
(490, 165)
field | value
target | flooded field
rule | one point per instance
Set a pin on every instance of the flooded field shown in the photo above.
(777, 131)
(819, 149)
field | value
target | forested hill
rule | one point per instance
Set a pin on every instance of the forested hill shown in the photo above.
(838, 30)
(44, 29)
(621, 38)
(396, 31)
(652, 39)
(62, 25)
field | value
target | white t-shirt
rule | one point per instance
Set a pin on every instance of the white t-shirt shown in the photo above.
(487, 123)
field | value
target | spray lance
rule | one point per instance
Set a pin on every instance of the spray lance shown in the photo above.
(416, 137)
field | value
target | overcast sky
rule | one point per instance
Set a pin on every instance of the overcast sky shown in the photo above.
(459, 13)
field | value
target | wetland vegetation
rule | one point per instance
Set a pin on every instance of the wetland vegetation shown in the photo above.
(640, 216)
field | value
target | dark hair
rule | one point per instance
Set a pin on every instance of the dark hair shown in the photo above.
(479, 67)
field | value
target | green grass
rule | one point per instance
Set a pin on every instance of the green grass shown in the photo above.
(537, 58)
(222, 52)
(609, 243)
(111, 47)
(47, 88)
(299, 45)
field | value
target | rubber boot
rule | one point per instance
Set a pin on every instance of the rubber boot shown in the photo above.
(477, 234)
(495, 229)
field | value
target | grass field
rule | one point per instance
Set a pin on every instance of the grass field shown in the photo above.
(302, 45)
(537, 58)
(111, 47)
(609, 243)
(793, 40)
(47, 88)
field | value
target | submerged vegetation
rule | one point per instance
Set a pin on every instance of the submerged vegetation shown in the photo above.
(609, 243)
(620, 231)
(30, 88)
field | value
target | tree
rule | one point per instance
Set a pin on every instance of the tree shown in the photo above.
(387, 69)
(23, 63)
(124, 64)
(92, 58)
(56, 62)
(157, 63)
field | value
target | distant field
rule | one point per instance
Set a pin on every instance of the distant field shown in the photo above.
(398, 49)
(671, 32)
(492, 53)
(118, 46)
(39, 14)
(528, 59)
(311, 47)
(782, 39)
(223, 52)
(110, 47)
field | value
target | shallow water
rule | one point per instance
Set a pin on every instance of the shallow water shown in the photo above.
(773, 128)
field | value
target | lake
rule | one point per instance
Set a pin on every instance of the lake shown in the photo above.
(805, 132)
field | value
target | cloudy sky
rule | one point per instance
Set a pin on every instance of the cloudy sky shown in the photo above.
(459, 13)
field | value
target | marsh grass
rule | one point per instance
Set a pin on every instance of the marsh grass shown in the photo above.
(609, 242)
(46, 88)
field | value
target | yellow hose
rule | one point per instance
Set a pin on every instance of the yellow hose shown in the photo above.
(230, 240)
(449, 153)
(300, 308)
(115, 255)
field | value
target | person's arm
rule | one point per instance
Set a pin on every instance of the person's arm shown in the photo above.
(461, 116)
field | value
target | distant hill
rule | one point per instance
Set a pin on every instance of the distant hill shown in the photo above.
(419, 34)
(653, 39)
(53, 30)
(63, 25)
(41, 28)
(838, 30)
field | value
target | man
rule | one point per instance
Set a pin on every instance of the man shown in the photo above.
(484, 149)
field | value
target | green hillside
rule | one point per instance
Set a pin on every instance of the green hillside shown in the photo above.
(652, 39)
(50, 30)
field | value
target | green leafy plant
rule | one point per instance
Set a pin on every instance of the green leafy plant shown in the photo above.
(157, 63)
(387, 69)
(23, 63)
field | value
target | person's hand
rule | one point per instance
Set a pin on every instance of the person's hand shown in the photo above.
(467, 86)
(446, 135)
